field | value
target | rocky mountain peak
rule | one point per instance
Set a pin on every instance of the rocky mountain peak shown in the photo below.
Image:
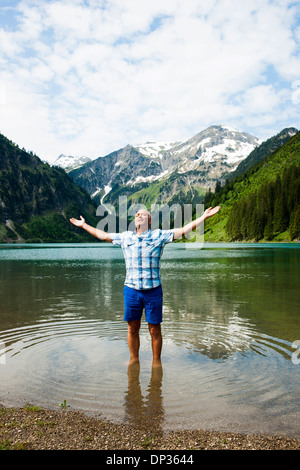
(209, 154)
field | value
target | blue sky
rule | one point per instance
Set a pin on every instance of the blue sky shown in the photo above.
(86, 77)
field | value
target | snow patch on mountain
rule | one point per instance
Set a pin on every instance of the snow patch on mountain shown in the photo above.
(155, 149)
(98, 190)
(233, 152)
(70, 162)
(147, 179)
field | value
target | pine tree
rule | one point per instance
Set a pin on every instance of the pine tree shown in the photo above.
(243, 221)
(218, 187)
(281, 217)
(268, 230)
(295, 224)
(249, 217)
(233, 224)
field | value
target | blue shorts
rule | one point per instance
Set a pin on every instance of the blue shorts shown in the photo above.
(149, 299)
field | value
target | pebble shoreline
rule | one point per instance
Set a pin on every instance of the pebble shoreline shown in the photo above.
(32, 428)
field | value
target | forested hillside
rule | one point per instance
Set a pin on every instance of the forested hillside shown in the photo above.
(263, 203)
(37, 200)
(262, 151)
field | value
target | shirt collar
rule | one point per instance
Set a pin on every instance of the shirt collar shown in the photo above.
(143, 234)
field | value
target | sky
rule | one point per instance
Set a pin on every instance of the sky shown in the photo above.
(87, 77)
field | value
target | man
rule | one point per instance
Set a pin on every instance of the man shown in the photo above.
(142, 250)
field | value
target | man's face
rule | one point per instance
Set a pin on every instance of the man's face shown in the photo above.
(142, 219)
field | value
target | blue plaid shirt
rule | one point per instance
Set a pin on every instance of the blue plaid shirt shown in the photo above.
(142, 256)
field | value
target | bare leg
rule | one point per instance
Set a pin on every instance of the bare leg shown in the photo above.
(156, 337)
(133, 339)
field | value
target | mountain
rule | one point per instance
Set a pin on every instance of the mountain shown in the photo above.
(266, 148)
(221, 145)
(150, 169)
(37, 200)
(69, 162)
(260, 203)
(263, 203)
(125, 167)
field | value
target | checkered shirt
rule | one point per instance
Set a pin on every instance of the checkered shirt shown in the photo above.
(142, 256)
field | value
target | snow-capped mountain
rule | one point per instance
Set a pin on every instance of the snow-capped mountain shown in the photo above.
(216, 143)
(124, 167)
(215, 151)
(69, 162)
(201, 161)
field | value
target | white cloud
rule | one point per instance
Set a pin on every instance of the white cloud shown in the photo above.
(92, 76)
(261, 99)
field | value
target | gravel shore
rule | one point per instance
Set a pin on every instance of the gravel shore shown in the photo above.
(32, 428)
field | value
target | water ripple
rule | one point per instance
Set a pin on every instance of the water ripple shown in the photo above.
(84, 362)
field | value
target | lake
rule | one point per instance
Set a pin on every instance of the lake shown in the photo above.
(231, 324)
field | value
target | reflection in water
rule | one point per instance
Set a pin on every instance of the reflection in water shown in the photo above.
(230, 318)
(219, 302)
(147, 412)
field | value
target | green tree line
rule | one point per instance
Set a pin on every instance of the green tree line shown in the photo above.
(272, 209)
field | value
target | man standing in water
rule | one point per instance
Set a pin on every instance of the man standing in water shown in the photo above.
(142, 251)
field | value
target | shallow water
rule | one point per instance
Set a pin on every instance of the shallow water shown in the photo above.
(231, 316)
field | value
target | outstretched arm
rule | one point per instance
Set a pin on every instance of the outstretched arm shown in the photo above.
(180, 232)
(105, 237)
